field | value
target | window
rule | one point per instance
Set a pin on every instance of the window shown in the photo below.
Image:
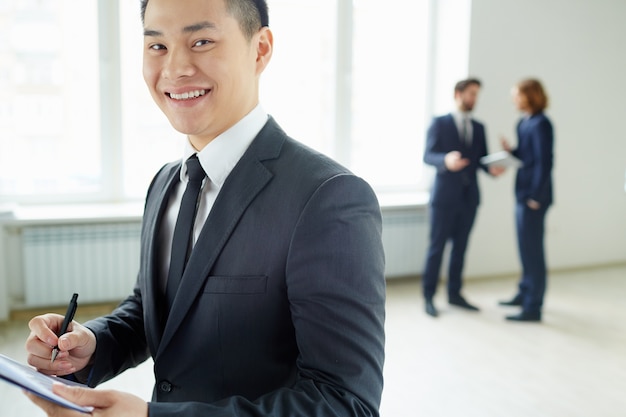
(356, 83)
(49, 72)
(352, 79)
(298, 86)
(389, 94)
(362, 81)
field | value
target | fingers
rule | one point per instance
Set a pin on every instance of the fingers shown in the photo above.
(505, 144)
(76, 337)
(454, 162)
(533, 205)
(83, 396)
(40, 342)
(51, 409)
(77, 395)
(497, 170)
(60, 367)
(75, 347)
(44, 328)
(107, 403)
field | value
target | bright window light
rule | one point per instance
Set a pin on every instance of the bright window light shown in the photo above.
(49, 70)
(355, 80)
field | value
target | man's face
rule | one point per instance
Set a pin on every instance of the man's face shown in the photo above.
(199, 67)
(466, 99)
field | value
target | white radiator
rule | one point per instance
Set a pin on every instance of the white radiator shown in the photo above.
(100, 261)
(97, 261)
(405, 239)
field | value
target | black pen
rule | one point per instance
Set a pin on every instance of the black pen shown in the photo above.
(69, 316)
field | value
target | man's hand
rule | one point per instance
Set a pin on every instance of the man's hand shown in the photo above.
(496, 170)
(505, 144)
(75, 347)
(106, 403)
(454, 162)
(533, 205)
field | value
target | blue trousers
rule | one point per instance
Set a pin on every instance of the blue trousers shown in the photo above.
(448, 223)
(530, 240)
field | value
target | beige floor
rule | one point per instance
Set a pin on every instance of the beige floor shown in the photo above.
(473, 364)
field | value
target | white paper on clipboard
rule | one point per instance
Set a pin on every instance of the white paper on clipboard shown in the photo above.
(501, 159)
(39, 384)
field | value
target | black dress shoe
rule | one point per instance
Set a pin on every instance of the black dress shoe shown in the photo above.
(461, 302)
(430, 309)
(525, 316)
(515, 301)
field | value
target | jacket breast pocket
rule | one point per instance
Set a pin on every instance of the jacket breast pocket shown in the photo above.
(254, 284)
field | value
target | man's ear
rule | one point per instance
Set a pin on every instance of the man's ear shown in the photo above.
(265, 47)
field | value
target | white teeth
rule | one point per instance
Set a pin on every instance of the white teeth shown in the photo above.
(188, 95)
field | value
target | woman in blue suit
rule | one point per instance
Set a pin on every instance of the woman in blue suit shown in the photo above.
(533, 192)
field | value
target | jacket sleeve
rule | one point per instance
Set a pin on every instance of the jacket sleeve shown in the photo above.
(336, 291)
(483, 149)
(121, 342)
(434, 154)
(515, 151)
(542, 148)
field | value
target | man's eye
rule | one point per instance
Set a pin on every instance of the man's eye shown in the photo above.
(202, 42)
(157, 47)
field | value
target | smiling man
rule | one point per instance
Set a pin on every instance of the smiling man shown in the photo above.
(261, 288)
(204, 75)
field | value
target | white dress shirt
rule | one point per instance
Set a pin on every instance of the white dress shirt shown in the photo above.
(459, 119)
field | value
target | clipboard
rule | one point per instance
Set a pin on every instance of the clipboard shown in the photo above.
(39, 384)
(501, 159)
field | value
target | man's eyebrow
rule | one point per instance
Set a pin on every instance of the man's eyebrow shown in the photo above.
(149, 32)
(198, 26)
(187, 29)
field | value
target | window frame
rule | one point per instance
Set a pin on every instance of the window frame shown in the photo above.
(111, 131)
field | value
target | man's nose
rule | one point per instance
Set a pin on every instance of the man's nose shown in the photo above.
(179, 64)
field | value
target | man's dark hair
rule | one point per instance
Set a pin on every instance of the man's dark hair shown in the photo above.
(463, 84)
(252, 15)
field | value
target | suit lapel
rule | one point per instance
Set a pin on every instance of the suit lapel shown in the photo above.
(153, 217)
(454, 128)
(243, 184)
(522, 133)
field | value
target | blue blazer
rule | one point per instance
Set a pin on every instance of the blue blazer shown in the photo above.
(535, 149)
(280, 310)
(453, 188)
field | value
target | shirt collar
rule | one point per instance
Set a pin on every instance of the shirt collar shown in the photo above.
(220, 156)
(460, 115)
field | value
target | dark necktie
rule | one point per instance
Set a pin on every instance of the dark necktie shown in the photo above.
(183, 231)
(465, 136)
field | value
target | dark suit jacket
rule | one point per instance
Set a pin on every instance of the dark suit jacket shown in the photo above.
(535, 149)
(453, 188)
(281, 307)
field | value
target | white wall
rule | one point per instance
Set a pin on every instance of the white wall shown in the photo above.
(576, 47)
